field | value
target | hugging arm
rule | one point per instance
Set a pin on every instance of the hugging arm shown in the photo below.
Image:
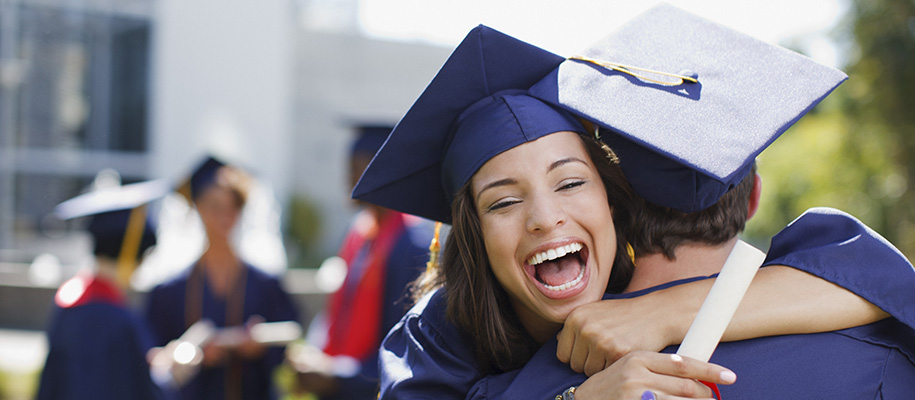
(544, 377)
(826, 271)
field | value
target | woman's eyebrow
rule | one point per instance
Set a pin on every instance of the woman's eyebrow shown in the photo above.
(559, 163)
(500, 182)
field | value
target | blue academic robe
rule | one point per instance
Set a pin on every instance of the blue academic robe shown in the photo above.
(427, 357)
(263, 296)
(874, 361)
(404, 264)
(97, 351)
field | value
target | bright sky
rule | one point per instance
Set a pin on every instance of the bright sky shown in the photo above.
(566, 26)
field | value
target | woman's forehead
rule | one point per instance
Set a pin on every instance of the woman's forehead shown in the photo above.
(543, 155)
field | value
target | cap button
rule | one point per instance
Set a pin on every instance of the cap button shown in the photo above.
(689, 73)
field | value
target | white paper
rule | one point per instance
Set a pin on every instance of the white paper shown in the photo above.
(722, 301)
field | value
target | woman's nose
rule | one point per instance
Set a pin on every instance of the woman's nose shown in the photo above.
(544, 216)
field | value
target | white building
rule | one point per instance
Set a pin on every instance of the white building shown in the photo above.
(148, 87)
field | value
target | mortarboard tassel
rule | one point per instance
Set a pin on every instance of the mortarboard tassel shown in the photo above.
(434, 248)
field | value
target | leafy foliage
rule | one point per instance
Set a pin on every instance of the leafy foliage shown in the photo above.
(854, 152)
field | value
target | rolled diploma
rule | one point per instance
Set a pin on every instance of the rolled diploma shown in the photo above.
(722, 301)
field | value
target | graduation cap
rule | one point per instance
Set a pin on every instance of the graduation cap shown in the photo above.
(118, 220)
(689, 103)
(369, 139)
(475, 108)
(201, 178)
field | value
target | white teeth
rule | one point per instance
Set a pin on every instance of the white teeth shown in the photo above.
(568, 284)
(553, 254)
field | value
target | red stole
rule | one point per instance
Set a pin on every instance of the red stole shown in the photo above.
(87, 288)
(354, 310)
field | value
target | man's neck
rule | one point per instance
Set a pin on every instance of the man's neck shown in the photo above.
(691, 260)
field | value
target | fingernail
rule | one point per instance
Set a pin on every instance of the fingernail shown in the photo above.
(728, 377)
(676, 357)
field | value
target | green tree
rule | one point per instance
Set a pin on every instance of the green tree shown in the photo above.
(880, 105)
(854, 151)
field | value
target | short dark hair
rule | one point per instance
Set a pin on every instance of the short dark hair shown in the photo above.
(110, 229)
(662, 229)
(478, 304)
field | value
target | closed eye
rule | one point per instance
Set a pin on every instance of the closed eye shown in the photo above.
(572, 185)
(501, 204)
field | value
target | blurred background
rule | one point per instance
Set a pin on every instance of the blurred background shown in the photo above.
(143, 89)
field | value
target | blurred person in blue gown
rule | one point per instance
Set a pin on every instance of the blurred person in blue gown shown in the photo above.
(226, 293)
(384, 250)
(96, 344)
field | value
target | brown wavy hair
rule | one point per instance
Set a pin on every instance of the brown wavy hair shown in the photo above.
(478, 304)
(662, 229)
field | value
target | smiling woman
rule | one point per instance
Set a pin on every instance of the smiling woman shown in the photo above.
(539, 212)
(544, 201)
(534, 201)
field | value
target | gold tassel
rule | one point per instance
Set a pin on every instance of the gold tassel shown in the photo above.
(631, 252)
(130, 244)
(682, 77)
(434, 248)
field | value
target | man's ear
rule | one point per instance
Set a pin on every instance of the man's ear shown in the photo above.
(754, 197)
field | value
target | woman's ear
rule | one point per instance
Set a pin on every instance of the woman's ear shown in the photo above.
(753, 205)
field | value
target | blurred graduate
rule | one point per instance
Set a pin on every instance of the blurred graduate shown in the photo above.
(384, 250)
(97, 345)
(223, 291)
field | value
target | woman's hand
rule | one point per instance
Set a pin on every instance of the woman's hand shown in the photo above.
(668, 376)
(596, 335)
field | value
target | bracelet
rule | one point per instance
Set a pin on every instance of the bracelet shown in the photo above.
(569, 394)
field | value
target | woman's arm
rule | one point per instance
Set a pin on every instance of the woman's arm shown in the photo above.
(781, 300)
(544, 377)
(842, 274)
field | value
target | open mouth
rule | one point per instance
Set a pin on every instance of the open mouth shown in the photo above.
(559, 268)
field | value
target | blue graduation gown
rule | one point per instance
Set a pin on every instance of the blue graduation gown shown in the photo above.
(838, 248)
(405, 263)
(97, 351)
(424, 350)
(263, 296)
(427, 357)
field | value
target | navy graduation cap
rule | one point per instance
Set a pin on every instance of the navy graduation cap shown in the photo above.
(688, 103)
(369, 139)
(202, 177)
(118, 221)
(475, 108)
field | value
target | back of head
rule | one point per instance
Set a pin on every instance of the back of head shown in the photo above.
(111, 230)
(368, 140)
(662, 229)
(118, 221)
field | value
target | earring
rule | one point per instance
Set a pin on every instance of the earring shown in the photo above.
(630, 252)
